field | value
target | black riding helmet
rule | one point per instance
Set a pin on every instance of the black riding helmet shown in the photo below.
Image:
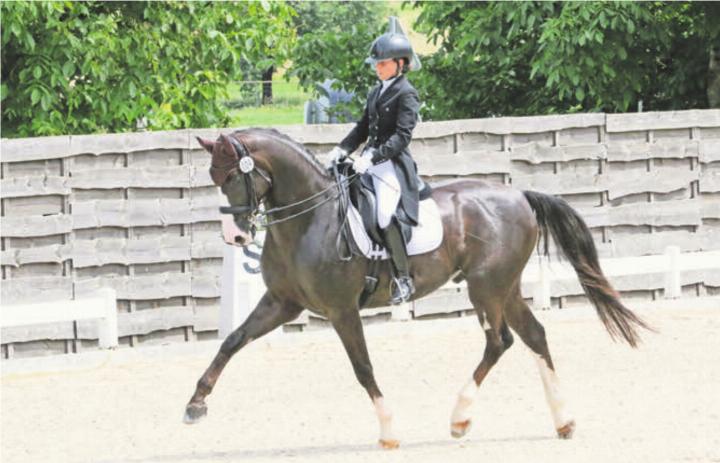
(390, 46)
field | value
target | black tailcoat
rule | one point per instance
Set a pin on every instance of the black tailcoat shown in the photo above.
(387, 124)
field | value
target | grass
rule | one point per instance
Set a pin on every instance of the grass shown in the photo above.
(287, 106)
(265, 116)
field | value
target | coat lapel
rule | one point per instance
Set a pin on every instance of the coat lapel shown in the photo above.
(372, 100)
(389, 92)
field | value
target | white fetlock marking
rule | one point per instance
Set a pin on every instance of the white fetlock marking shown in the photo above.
(466, 396)
(552, 393)
(485, 325)
(385, 418)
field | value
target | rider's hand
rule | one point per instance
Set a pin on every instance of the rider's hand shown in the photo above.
(372, 153)
(336, 155)
(362, 164)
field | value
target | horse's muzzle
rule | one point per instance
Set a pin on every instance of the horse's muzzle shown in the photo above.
(234, 235)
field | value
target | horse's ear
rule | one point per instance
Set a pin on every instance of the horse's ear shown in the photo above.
(227, 144)
(207, 144)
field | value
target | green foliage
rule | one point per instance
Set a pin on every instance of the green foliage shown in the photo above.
(508, 58)
(333, 41)
(590, 51)
(83, 67)
(482, 66)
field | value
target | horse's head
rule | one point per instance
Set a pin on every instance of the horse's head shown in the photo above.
(243, 182)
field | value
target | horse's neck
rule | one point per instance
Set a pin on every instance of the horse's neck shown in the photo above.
(295, 181)
(292, 185)
(296, 176)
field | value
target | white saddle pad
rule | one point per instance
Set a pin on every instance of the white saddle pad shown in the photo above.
(426, 237)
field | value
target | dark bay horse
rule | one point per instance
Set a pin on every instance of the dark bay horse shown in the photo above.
(490, 232)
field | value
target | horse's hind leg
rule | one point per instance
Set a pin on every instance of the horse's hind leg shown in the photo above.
(267, 315)
(521, 319)
(488, 302)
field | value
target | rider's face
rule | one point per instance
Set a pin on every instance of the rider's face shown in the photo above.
(386, 69)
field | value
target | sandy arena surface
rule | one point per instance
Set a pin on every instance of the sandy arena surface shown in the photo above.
(295, 398)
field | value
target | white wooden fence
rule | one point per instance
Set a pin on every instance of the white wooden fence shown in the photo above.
(242, 290)
(100, 306)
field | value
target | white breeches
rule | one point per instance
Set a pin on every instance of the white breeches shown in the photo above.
(387, 191)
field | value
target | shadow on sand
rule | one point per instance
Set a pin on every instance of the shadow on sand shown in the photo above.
(320, 450)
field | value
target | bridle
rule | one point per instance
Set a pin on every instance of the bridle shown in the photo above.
(246, 167)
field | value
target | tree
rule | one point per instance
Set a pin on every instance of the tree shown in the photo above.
(540, 57)
(333, 41)
(83, 67)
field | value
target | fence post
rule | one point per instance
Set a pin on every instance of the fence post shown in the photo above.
(234, 301)
(541, 293)
(673, 286)
(240, 290)
(108, 325)
(401, 313)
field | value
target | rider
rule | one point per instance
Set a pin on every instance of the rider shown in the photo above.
(387, 123)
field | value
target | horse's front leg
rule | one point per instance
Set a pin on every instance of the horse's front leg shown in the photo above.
(349, 327)
(267, 315)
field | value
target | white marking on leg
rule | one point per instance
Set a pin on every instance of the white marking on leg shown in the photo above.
(385, 418)
(485, 325)
(467, 394)
(552, 393)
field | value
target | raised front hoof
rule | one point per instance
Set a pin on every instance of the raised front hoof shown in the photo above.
(566, 432)
(458, 430)
(389, 444)
(194, 413)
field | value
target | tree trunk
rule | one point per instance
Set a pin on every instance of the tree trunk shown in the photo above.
(713, 84)
(267, 95)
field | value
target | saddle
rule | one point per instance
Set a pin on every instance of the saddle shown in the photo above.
(359, 205)
(362, 196)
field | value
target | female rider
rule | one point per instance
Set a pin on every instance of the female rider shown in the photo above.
(390, 116)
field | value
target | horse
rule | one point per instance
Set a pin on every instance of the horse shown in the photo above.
(490, 232)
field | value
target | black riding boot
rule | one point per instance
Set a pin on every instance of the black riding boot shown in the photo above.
(395, 243)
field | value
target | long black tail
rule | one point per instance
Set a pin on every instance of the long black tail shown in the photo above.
(576, 243)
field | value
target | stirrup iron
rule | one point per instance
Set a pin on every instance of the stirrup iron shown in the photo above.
(402, 289)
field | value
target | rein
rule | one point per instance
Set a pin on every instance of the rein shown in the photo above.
(314, 206)
(247, 166)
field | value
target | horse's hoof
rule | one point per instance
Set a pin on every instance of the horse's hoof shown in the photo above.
(566, 431)
(194, 412)
(389, 444)
(457, 430)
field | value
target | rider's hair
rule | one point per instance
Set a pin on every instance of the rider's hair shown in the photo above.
(403, 64)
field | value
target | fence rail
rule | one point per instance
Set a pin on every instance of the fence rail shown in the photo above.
(100, 306)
